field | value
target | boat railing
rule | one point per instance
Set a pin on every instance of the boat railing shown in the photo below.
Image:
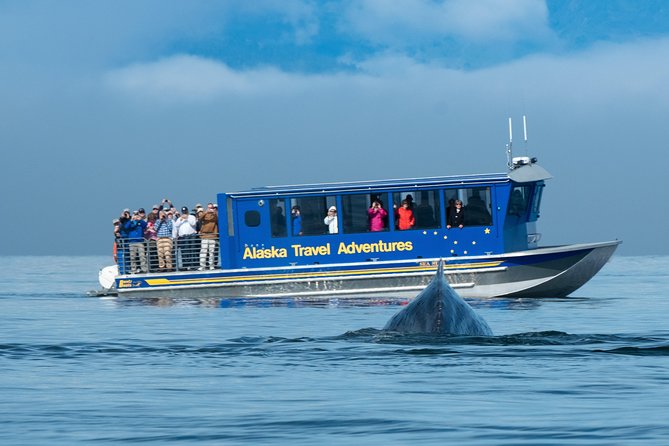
(190, 253)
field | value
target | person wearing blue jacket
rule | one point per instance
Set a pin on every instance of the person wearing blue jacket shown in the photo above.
(134, 229)
(296, 218)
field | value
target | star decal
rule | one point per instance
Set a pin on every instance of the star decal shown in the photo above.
(487, 230)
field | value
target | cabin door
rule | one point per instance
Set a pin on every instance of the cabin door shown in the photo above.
(253, 225)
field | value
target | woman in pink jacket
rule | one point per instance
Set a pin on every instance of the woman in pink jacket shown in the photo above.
(377, 216)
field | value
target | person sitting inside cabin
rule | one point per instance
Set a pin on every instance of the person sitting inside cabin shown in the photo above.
(331, 220)
(278, 222)
(456, 218)
(477, 214)
(377, 216)
(424, 213)
(409, 199)
(404, 216)
(135, 229)
(516, 203)
(296, 218)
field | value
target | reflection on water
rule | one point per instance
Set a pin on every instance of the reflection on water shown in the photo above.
(321, 302)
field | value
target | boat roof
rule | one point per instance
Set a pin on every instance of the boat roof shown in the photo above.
(365, 185)
(522, 174)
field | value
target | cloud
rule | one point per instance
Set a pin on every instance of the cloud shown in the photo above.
(605, 72)
(191, 78)
(405, 22)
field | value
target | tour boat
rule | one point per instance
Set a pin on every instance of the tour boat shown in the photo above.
(275, 242)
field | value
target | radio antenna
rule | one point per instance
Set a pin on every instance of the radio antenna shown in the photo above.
(509, 150)
(525, 128)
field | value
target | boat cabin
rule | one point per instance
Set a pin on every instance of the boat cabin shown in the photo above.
(285, 225)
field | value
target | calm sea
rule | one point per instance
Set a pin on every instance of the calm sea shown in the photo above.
(591, 369)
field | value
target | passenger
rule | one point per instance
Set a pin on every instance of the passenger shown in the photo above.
(451, 207)
(331, 220)
(166, 204)
(117, 235)
(164, 228)
(122, 243)
(477, 214)
(296, 218)
(409, 199)
(155, 212)
(135, 228)
(208, 238)
(377, 216)
(404, 216)
(278, 222)
(142, 213)
(516, 203)
(185, 227)
(424, 213)
(151, 241)
(456, 218)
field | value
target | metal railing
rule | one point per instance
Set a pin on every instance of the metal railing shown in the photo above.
(165, 254)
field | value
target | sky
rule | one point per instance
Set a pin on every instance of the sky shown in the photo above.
(113, 104)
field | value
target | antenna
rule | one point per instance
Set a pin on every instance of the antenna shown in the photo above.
(509, 151)
(525, 127)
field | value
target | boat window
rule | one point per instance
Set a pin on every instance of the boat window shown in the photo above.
(231, 223)
(476, 202)
(425, 207)
(536, 200)
(520, 197)
(355, 213)
(278, 217)
(252, 218)
(311, 213)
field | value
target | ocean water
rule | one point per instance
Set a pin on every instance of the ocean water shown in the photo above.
(590, 369)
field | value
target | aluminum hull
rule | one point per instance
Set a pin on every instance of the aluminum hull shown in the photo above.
(543, 272)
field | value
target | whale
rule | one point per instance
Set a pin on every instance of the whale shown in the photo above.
(438, 309)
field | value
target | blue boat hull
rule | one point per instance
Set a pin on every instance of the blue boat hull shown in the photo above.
(544, 272)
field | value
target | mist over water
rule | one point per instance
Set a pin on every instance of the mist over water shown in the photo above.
(589, 369)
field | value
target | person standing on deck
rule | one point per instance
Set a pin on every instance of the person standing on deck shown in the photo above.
(208, 238)
(135, 229)
(164, 228)
(186, 228)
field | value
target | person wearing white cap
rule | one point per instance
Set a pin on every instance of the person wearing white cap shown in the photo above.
(331, 220)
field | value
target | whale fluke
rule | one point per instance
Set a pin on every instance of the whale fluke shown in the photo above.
(439, 309)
